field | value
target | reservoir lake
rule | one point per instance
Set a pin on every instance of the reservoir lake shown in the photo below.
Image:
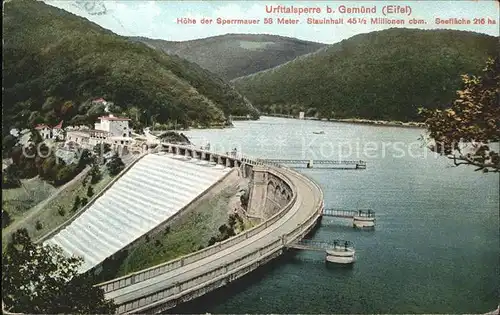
(435, 247)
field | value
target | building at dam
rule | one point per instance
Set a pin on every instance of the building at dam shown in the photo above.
(110, 129)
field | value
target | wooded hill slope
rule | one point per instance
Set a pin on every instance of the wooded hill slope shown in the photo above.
(380, 75)
(236, 55)
(56, 62)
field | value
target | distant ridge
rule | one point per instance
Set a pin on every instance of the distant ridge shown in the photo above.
(383, 75)
(58, 62)
(235, 55)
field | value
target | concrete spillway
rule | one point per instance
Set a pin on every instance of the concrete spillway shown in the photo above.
(153, 190)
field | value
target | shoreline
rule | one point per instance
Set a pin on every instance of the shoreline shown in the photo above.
(358, 121)
(410, 124)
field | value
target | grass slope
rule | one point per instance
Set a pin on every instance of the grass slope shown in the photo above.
(380, 75)
(236, 55)
(49, 215)
(17, 201)
(56, 62)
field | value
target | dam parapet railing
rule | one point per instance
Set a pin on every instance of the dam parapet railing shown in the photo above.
(219, 276)
(151, 272)
(178, 292)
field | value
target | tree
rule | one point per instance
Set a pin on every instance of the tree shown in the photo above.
(64, 174)
(101, 148)
(90, 192)
(115, 165)
(95, 174)
(76, 203)
(212, 241)
(232, 221)
(61, 211)
(10, 177)
(464, 132)
(40, 279)
(6, 219)
(8, 143)
(85, 158)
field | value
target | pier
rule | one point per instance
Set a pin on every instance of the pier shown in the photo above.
(323, 164)
(342, 213)
(361, 218)
(306, 244)
(338, 251)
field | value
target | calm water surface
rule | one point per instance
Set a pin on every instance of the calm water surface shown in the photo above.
(435, 248)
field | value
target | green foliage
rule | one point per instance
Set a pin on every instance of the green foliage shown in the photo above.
(38, 225)
(174, 137)
(83, 201)
(110, 267)
(245, 53)
(6, 219)
(212, 241)
(234, 223)
(232, 220)
(95, 174)
(167, 230)
(467, 130)
(61, 211)
(59, 62)
(76, 203)
(85, 159)
(10, 177)
(38, 159)
(8, 143)
(115, 165)
(65, 174)
(39, 279)
(90, 192)
(380, 75)
(101, 149)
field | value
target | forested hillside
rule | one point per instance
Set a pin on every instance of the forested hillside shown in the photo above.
(55, 63)
(236, 55)
(380, 75)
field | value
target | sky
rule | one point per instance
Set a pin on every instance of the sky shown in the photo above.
(158, 19)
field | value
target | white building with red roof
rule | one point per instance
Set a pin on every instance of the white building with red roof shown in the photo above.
(110, 129)
(47, 132)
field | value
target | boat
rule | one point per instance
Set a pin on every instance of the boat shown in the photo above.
(319, 132)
